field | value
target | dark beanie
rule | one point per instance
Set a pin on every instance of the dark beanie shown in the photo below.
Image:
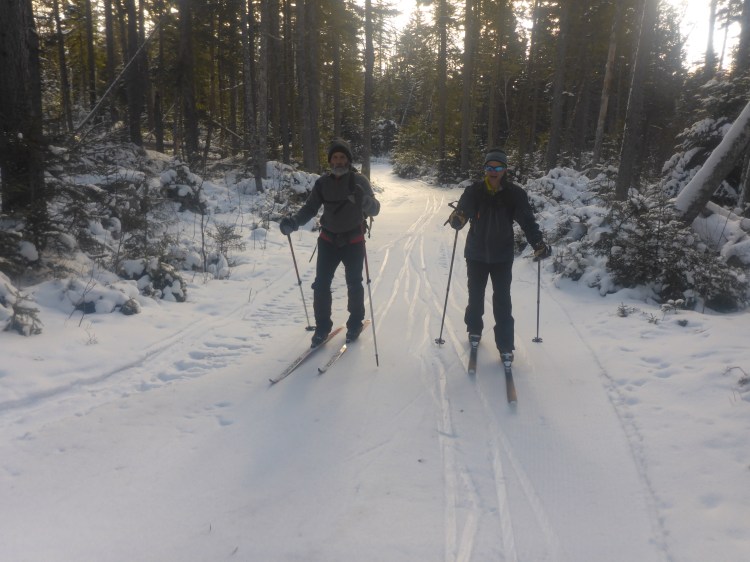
(338, 145)
(497, 155)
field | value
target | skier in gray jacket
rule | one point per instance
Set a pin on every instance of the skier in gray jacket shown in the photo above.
(347, 199)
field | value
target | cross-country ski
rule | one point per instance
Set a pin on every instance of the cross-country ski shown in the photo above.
(302, 357)
(340, 352)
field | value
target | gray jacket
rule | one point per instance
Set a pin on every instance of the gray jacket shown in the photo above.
(346, 201)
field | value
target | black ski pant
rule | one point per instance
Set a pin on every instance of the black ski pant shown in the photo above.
(330, 256)
(501, 275)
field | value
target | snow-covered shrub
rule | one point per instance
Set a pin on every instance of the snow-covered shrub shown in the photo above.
(93, 296)
(649, 245)
(181, 185)
(15, 314)
(155, 278)
(12, 260)
(107, 211)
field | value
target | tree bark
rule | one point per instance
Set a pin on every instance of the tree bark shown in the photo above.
(261, 152)
(187, 81)
(742, 60)
(442, 80)
(558, 88)
(634, 135)
(133, 79)
(63, 62)
(307, 79)
(710, 67)
(90, 58)
(369, 89)
(111, 63)
(467, 75)
(609, 73)
(21, 140)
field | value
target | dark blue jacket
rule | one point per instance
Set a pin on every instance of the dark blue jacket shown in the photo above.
(491, 216)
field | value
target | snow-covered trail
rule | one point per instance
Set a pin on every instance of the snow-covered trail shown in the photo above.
(188, 454)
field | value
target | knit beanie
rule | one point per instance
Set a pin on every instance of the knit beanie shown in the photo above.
(496, 155)
(338, 145)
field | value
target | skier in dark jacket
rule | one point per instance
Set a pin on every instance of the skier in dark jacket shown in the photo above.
(347, 199)
(490, 206)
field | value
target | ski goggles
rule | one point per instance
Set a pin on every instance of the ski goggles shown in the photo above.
(494, 168)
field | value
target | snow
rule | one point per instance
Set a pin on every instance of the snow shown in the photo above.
(158, 437)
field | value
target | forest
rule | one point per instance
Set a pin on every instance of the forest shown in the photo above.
(602, 87)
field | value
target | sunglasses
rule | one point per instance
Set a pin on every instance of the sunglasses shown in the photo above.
(494, 168)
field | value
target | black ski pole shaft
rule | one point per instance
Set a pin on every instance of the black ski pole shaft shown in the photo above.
(537, 339)
(372, 313)
(299, 282)
(440, 340)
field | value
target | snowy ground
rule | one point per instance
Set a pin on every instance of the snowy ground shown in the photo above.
(158, 438)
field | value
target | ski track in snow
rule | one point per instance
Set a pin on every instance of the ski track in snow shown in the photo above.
(497, 504)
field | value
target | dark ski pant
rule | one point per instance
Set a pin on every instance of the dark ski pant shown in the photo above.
(501, 275)
(329, 257)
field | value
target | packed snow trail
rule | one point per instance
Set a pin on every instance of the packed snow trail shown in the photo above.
(188, 455)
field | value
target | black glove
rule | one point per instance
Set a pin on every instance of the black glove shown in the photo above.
(541, 251)
(457, 220)
(288, 225)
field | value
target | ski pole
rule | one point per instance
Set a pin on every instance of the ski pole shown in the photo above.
(440, 340)
(537, 339)
(372, 314)
(299, 282)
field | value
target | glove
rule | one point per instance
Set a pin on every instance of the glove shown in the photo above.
(541, 251)
(457, 220)
(287, 226)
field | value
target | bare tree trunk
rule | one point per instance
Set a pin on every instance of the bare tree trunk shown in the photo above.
(64, 80)
(336, 89)
(369, 89)
(558, 88)
(247, 68)
(725, 157)
(307, 78)
(442, 80)
(159, 93)
(634, 134)
(111, 63)
(261, 143)
(147, 95)
(133, 79)
(528, 99)
(187, 81)
(91, 64)
(495, 79)
(710, 67)
(742, 60)
(467, 76)
(274, 78)
(21, 141)
(286, 86)
(607, 86)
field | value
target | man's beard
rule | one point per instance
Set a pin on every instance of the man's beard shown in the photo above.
(339, 171)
